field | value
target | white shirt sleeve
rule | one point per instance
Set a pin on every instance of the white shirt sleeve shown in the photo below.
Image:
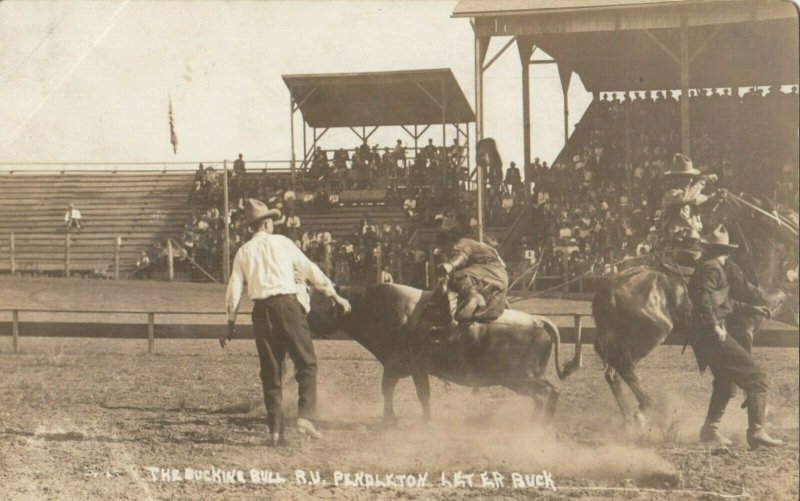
(236, 286)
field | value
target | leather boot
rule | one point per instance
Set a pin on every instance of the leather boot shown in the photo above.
(709, 433)
(756, 412)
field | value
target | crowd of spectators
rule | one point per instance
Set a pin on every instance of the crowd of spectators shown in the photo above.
(599, 203)
(594, 208)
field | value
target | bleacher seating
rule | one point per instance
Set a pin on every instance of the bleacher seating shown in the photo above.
(140, 207)
(143, 208)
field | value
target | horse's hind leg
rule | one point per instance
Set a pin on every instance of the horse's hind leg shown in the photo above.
(422, 385)
(615, 383)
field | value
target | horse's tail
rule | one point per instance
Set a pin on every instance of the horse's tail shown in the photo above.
(555, 338)
(603, 305)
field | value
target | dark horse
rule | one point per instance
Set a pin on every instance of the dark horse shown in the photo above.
(513, 351)
(638, 308)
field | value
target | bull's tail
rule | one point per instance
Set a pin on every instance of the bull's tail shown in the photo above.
(603, 306)
(555, 338)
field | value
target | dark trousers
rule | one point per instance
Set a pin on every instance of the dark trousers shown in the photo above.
(280, 327)
(730, 364)
(495, 298)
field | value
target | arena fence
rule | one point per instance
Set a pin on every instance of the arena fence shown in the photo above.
(774, 335)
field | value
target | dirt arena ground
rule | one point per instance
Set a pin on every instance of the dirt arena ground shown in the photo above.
(85, 419)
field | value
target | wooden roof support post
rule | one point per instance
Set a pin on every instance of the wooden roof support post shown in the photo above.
(684, 64)
(481, 47)
(565, 73)
(525, 47)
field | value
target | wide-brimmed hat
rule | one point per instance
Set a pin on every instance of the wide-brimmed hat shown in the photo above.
(256, 210)
(682, 166)
(718, 239)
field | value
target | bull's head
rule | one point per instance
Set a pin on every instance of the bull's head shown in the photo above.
(325, 316)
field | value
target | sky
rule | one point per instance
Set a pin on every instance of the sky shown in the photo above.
(91, 81)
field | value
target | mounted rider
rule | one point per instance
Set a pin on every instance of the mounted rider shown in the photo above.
(682, 201)
(731, 364)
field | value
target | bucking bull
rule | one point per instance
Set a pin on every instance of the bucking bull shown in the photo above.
(511, 351)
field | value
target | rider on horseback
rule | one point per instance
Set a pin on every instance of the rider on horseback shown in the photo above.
(682, 201)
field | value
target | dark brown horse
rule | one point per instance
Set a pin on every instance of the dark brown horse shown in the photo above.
(637, 309)
(512, 351)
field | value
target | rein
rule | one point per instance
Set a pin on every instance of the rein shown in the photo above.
(746, 243)
(588, 274)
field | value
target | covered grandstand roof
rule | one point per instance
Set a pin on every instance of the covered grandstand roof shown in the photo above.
(634, 44)
(388, 98)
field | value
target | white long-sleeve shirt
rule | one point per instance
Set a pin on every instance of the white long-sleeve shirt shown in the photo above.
(270, 265)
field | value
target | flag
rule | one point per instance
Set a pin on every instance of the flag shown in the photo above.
(173, 138)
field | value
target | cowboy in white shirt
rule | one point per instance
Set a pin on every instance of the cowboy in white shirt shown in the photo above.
(73, 218)
(275, 273)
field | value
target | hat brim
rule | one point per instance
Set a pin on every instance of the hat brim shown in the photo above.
(270, 214)
(693, 172)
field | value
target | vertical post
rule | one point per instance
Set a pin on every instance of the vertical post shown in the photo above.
(379, 262)
(151, 333)
(565, 73)
(466, 152)
(578, 334)
(416, 141)
(170, 261)
(684, 63)
(67, 243)
(305, 148)
(525, 48)
(445, 165)
(226, 235)
(291, 126)
(12, 254)
(117, 245)
(628, 154)
(481, 45)
(15, 331)
(326, 259)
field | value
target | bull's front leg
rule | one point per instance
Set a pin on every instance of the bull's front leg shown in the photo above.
(422, 384)
(388, 384)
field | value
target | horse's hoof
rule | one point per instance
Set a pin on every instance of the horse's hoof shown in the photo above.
(640, 419)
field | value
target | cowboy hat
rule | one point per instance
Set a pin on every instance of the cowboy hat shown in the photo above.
(682, 166)
(255, 211)
(719, 239)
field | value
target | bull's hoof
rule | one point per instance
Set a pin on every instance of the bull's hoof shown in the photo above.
(389, 422)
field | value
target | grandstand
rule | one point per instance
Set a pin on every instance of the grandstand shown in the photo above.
(140, 207)
(143, 208)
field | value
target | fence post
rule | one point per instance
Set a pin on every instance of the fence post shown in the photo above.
(15, 330)
(12, 254)
(151, 333)
(170, 261)
(379, 261)
(66, 254)
(326, 255)
(578, 334)
(117, 245)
